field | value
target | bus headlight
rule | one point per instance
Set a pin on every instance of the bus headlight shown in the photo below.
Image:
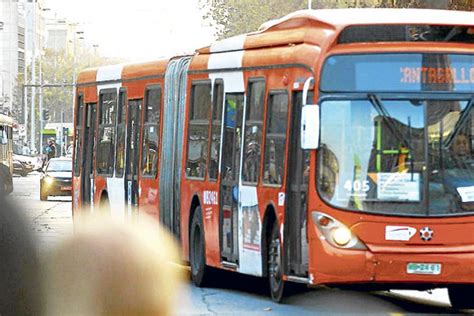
(336, 233)
(341, 236)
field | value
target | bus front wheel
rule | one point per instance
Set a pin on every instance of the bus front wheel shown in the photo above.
(461, 296)
(275, 272)
(197, 253)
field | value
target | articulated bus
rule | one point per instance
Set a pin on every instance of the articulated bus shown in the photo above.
(329, 147)
(6, 141)
(6, 154)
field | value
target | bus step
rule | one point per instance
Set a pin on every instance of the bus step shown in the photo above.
(229, 265)
(298, 279)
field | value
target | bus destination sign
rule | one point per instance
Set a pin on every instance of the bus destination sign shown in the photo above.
(433, 75)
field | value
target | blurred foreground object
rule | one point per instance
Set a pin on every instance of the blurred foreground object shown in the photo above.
(20, 278)
(110, 268)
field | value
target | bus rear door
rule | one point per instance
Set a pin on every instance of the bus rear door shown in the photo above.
(87, 184)
(230, 175)
(132, 153)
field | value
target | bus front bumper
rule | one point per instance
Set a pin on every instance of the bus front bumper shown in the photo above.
(407, 270)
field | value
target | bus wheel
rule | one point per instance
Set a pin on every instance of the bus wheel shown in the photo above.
(461, 296)
(197, 254)
(104, 205)
(275, 267)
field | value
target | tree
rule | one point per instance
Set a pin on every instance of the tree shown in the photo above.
(467, 5)
(233, 17)
(58, 68)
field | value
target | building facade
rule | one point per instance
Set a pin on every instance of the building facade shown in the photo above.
(12, 51)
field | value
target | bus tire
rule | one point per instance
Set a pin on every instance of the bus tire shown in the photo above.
(104, 204)
(274, 266)
(461, 296)
(197, 251)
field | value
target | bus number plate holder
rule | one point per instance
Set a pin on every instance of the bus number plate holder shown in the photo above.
(424, 268)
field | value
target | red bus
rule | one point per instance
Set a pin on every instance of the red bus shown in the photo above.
(330, 147)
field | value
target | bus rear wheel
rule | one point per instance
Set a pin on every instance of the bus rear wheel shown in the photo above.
(275, 267)
(197, 253)
(461, 296)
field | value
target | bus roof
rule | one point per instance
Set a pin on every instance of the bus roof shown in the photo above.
(293, 28)
(315, 27)
(6, 120)
(340, 18)
(127, 71)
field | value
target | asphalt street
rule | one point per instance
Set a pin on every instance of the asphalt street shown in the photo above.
(51, 221)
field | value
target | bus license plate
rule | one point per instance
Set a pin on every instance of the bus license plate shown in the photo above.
(424, 268)
(66, 188)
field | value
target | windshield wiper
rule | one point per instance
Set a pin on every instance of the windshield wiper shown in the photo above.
(379, 107)
(460, 123)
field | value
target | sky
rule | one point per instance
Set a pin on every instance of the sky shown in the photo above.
(137, 29)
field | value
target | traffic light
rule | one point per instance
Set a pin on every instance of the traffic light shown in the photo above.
(46, 115)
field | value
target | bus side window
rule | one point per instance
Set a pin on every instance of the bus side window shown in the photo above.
(217, 104)
(275, 138)
(105, 145)
(151, 132)
(198, 129)
(253, 130)
(120, 142)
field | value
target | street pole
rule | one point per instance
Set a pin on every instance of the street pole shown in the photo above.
(61, 130)
(33, 78)
(25, 89)
(10, 60)
(41, 104)
(74, 70)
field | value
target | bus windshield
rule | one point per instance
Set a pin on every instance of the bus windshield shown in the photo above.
(406, 155)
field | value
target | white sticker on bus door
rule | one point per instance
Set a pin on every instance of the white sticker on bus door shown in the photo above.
(92, 195)
(250, 231)
(116, 195)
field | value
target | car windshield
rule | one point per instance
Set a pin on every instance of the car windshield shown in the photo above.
(397, 156)
(60, 166)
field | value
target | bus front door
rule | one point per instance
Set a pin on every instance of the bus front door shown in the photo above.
(87, 178)
(230, 175)
(296, 245)
(132, 154)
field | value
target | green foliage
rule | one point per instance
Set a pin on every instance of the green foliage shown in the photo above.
(233, 17)
(467, 5)
(59, 68)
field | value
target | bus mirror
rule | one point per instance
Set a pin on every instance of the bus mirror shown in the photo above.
(310, 127)
(306, 87)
